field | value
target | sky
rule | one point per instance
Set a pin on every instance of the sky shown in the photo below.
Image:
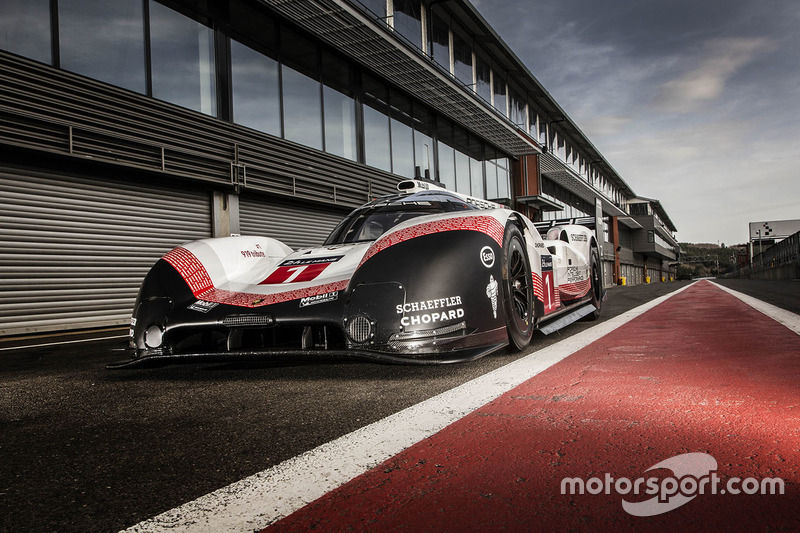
(693, 102)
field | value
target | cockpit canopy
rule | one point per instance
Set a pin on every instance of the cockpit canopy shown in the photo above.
(372, 220)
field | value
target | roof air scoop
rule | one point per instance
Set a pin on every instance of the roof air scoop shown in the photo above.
(418, 185)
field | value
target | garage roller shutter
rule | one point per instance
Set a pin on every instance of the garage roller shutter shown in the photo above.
(295, 225)
(73, 251)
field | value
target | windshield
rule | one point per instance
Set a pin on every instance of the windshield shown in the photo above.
(376, 218)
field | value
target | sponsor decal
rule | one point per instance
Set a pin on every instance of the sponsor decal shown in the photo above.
(538, 245)
(480, 204)
(438, 308)
(202, 306)
(577, 237)
(319, 298)
(253, 253)
(298, 270)
(551, 297)
(491, 293)
(487, 256)
(574, 275)
(311, 261)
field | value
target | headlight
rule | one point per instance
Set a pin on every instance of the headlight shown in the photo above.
(153, 336)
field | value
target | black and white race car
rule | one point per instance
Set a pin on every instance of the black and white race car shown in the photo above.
(425, 275)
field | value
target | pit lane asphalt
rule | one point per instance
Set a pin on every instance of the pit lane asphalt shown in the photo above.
(86, 449)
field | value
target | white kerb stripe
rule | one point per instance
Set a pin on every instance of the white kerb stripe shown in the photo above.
(787, 318)
(264, 498)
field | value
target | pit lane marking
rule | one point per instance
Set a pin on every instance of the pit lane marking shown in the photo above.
(778, 314)
(264, 498)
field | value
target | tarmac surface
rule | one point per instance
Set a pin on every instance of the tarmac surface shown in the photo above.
(85, 449)
(684, 380)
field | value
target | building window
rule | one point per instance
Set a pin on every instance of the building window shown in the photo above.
(377, 7)
(651, 236)
(256, 89)
(499, 101)
(302, 108)
(446, 152)
(183, 66)
(476, 150)
(340, 107)
(105, 41)
(533, 120)
(517, 109)
(461, 145)
(407, 20)
(491, 175)
(423, 141)
(402, 135)
(377, 146)
(440, 38)
(543, 132)
(462, 57)
(483, 79)
(302, 91)
(561, 149)
(25, 28)
(503, 178)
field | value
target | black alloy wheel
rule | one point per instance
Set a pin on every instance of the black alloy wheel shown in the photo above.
(517, 289)
(596, 275)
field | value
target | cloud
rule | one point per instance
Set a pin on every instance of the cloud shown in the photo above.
(712, 178)
(705, 83)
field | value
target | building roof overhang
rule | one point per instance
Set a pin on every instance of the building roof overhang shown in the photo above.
(629, 222)
(658, 208)
(375, 45)
(555, 170)
(540, 202)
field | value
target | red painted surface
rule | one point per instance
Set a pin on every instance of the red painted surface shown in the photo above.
(702, 372)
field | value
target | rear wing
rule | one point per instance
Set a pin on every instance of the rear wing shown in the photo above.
(543, 227)
(592, 223)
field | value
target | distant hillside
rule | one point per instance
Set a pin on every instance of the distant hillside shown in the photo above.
(703, 259)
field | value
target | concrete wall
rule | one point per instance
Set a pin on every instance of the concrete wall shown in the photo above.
(791, 271)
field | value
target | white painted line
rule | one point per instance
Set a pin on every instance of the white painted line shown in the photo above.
(262, 499)
(787, 318)
(23, 347)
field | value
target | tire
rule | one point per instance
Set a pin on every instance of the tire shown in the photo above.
(596, 291)
(517, 289)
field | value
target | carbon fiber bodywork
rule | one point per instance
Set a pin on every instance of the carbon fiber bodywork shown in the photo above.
(420, 277)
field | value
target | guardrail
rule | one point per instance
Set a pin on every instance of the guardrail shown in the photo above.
(779, 261)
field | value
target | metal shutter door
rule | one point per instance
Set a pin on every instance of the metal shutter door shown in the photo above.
(73, 251)
(298, 226)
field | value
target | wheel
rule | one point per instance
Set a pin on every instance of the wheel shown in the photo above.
(517, 289)
(596, 276)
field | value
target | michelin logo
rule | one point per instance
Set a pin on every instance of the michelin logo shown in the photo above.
(319, 299)
(492, 292)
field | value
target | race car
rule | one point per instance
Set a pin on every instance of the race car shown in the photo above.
(422, 276)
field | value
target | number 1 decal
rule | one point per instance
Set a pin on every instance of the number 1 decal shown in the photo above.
(292, 274)
(548, 280)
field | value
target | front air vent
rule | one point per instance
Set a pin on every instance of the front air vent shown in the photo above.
(244, 321)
